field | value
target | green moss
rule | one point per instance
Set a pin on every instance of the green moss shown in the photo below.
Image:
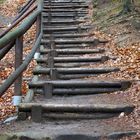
(1, 1)
(109, 10)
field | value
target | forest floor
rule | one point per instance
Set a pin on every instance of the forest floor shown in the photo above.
(123, 32)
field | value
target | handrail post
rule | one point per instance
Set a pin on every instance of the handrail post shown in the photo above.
(38, 30)
(18, 62)
(38, 27)
(17, 35)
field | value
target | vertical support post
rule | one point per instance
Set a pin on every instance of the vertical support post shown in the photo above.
(36, 112)
(49, 14)
(51, 62)
(49, 17)
(38, 25)
(48, 90)
(52, 53)
(50, 3)
(53, 74)
(51, 42)
(38, 30)
(75, 15)
(18, 62)
(79, 29)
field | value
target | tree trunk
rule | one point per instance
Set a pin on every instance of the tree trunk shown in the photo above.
(127, 6)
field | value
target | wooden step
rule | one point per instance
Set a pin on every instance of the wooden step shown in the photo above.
(64, 41)
(62, 11)
(71, 51)
(77, 87)
(59, 3)
(73, 46)
(76, 91)
(72, 108)
(71, 73)
(64, 2)
(70, 6)
(73, 28)
(64, 14)
(73, 59)
(62, 22)
(38, 111)
(66, 35)
(82, 84)
(42, 70)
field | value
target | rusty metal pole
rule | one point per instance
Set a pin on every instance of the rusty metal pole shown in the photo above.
(18, 62)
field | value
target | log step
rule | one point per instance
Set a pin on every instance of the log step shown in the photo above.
(60, 29)
(68, 111)
(82, 84)
(76, 116)
(55, 4)
(68, 15)
(72, 46)
(78, 91)
(41, 70)
(64, 11)
(62, 41)
(63, 2)
(73, 59)
(72, 65)
(66, 35)
(53, 22)
(71, 51)
(77, 108)
(64, 15)
(70, 6)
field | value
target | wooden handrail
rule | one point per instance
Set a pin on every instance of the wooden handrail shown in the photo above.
(6, 49)
(26, 7)
(19, 20)
(10, 36)
(21, 68)
(15, 37)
